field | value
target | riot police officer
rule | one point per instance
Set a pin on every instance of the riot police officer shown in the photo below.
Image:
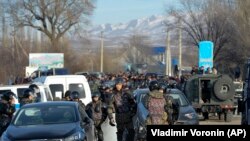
(36, 92)
(125, 108)
(67, 96)
(7, 109)
(156, 104)
(86, 121)
(97, 111)
(28, 97)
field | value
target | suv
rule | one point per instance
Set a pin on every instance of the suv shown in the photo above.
(210, 93)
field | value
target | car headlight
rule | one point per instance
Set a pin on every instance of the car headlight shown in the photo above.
(190, 115)
(76, 137)
(4, 137)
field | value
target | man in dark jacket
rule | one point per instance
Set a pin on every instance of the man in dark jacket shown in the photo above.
(7, 109)
(28, 97)
(97, 111)
(86, 122)
(125, 108)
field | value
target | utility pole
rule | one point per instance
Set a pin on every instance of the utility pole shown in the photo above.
(167, 55)
(101, 51)
(180, 51)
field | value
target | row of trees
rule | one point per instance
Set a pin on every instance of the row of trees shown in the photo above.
(30, 26)
(225, 22)
(52, 22)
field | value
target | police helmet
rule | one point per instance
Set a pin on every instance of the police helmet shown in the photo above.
(27, 93)
(34, 87)
(67, 93)
(8, 96)
(74, 95)
(153, 85)
(163, 86)
(119, 80)
(96, 94)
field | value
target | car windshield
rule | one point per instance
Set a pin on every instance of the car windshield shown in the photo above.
(179, 99)
(45, 115)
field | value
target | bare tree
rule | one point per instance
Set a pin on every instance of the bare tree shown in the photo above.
(138, 49)
(242, 25)
(54, 18)
(205, 20)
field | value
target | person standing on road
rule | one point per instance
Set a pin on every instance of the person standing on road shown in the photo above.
(125, 108)
(97, 111)
(86, 121)
(156, 104)
(7, 109)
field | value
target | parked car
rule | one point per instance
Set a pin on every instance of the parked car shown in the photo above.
(186, 113)
(59, 120)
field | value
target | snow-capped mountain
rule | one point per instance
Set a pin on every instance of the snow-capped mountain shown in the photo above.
(152, 26)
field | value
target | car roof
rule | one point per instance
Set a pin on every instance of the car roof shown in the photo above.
(174, 91)
(51, 103)
(22, 85)
(43, 78)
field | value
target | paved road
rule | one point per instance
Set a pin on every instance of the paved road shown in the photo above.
(215, 121)
(109, 131)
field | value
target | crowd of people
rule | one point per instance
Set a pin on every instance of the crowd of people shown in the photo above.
(113, 93)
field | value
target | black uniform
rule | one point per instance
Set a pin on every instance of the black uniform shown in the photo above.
(6, 113)
(97, 111)
(125, 108)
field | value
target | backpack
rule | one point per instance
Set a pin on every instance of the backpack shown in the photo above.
(157, 113)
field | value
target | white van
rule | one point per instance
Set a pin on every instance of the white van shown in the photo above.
(19, 89)
(59, 84)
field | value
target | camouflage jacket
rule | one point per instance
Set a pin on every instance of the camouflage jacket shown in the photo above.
(6, 113)
(165, 103)
(25, 101)
(97, 111)
(6, 109)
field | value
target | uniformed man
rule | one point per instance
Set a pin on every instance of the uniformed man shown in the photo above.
(36, 91)
(7, 109)
(125, 108)
(156, 104)
(97, 111)
(86, 121)
(28, 97)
